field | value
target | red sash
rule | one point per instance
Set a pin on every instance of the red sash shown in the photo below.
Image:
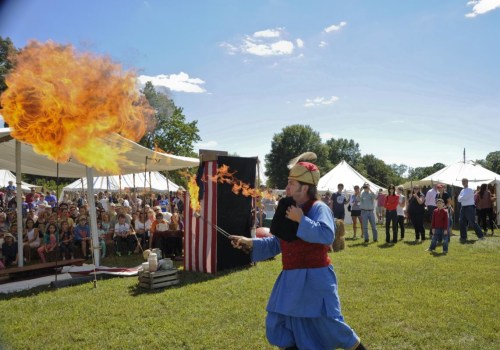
(299, 254)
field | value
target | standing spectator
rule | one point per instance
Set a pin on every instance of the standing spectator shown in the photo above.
(30, 198)
(401, 210)
(355, 211)
(485, 203)
(447, 204)
(10, 190)
(366, 204)
(467, 212)
(51, 199)
(338, 202)
(440, 226)
(179, 202)
(430, 203)
(268, 203)
(391, 214)
(380, 206)
(416, 210)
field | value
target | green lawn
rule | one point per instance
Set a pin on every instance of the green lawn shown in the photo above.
(395, 297)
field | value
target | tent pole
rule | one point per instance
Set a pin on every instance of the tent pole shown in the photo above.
(93, 217)
(19, 206)
(169, 206)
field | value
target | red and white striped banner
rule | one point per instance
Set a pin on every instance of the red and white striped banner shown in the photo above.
(200, 240)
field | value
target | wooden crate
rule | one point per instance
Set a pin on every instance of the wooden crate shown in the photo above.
(158, 279)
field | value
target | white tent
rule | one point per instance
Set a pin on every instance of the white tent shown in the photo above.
(21, 158)
(6, 176)
(454, 173)
(153, 181)
(135, 160)
(345, 174)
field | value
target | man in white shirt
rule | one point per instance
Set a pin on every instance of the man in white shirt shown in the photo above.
(430, 203)
(468, 212)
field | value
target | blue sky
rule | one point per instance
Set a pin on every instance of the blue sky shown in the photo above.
(412, 82)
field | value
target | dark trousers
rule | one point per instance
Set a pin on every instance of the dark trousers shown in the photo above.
(401, 223)
(468, 218)
(483, 213)
(418, 224)
(430, 213)
(391, 216)
(125, 244)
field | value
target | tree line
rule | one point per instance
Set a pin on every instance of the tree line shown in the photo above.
(296, 139)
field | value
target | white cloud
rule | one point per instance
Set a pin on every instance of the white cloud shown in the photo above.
(335, 27)
(278, 48)
(268, 42)
(322, 43)
(175, 82)
(320, 101)
(480, 7)
(268, 33)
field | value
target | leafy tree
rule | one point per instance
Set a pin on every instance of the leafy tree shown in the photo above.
(377, 171)
(291, 142)
(421, 172)
(7, 55)
(493, 161)
(170, 131)
(343, 149)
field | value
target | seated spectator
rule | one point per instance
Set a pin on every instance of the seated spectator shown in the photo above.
(4, 225)
(31, 239)
(139, 225)
(9, 250)
(50, 240)
(66, 240)
(159, 225)
(81, 236)
(101, 233)
(124, 237)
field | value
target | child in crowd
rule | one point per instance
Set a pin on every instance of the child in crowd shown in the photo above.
(440, 227)
(101, 232)
(124, 237)
(50, 239)
(9, 251)
(66, 245)
(82, 235)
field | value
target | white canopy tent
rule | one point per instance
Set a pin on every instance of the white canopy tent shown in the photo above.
(454, 173)
(153, 181)
(6, 176)
(21, 158)
(349, 177)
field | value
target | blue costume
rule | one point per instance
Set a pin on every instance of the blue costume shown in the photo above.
(304, 307)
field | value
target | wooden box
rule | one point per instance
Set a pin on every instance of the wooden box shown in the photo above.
(158, 279)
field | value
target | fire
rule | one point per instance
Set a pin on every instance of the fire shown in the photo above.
(65, 104)
(193, 191)
(224, 175)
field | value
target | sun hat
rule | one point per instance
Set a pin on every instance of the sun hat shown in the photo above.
(303, 171)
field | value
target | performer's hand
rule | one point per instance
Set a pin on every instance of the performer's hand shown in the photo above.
(240, 242)
(295, 214)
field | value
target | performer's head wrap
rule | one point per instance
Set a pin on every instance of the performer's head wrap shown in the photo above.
(304, 171)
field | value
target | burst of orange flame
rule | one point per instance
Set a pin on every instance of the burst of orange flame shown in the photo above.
(65, 104)
(193, 191)
(224, 175)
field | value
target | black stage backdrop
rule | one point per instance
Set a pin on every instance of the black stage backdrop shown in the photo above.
(234, 212)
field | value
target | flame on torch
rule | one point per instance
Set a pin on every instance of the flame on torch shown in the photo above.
(65, 104)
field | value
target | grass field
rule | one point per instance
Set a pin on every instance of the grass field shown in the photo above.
(394, 296)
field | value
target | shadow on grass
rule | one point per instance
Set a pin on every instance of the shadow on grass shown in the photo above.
(386, 245)
(413, 242)
(438, 255)
(468, 241)
(186, 278)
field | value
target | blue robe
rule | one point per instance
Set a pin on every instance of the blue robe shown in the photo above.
(305, 300)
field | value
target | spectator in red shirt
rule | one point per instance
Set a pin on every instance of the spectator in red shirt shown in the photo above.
(440, 227)
(391, 214)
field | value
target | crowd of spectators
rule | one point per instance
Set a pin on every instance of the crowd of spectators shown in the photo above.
(62, 229)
